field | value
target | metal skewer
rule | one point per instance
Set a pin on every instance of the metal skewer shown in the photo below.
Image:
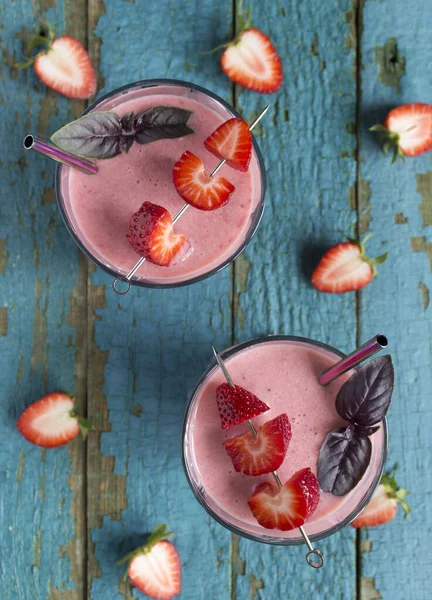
(314, 557)
(142, 260)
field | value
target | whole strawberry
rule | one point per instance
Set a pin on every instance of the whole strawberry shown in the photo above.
(63, 64)
(407, 129)
(345, 268)
(155, 567)
(384, 504)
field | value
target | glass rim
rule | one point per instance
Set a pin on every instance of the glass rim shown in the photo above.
(264, 538)
(256, 215)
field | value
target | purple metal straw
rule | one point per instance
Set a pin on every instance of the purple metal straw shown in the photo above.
(371, 347)
(33, 143)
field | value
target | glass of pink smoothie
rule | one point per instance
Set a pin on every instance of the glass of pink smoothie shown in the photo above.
(97, 208)
(283, 372)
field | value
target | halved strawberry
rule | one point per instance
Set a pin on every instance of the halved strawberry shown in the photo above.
(63, 65)
(196, 187)
(52, 421)
(252, 61)
(236, 405)
(407, 129)
(384, 504)
(155, 568)
(289, 507)
(232, 141)
(151, 234)
(264, 453)
(345, 268)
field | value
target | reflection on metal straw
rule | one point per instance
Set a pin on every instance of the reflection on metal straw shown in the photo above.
(314, 557)
(33, 143)
(371, 347)
(132, 272)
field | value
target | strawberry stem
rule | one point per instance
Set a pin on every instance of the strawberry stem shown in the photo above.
(399, 494)
(44, 38)
(159, 533)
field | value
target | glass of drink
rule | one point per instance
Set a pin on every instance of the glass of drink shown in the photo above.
(97, 208)
(283, 372)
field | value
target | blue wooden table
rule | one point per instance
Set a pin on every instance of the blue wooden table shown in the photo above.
(67, 515)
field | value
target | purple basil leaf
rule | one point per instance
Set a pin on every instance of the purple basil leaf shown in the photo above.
(161, 122)
(96, 135)
(343, 460)
(127, 123)
(370, 430)
(365, 398)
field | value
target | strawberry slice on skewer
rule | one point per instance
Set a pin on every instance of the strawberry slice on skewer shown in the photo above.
(237, 405)
(263, 453)
(232, 141)
(345, 268)
(196, 187)
(407, 129)
(63, 65)
(52, 421)
(289, 507)
(155, 567)
(151, 234)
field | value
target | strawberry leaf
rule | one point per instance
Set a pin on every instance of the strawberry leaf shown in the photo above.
(365, 398)
(160, 532)
(343, 459)
(379, 260)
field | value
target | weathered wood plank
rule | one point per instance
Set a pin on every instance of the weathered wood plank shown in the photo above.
(395, 46)
(42, 300)
(146, 350)
(309, 149)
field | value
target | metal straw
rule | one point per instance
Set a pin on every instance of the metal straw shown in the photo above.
(126, 279)
(314, 557)
(371, 347)
(33, 143)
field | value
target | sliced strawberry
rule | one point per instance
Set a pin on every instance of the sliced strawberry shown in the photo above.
(345, 268)
(51, 421)
(252, 61)
(196, 187)
(264, 453)
(289, 507)
(155, 568)
(236, 405)
(232, 141)
(407, 129)
(384, 504)
(151, 234)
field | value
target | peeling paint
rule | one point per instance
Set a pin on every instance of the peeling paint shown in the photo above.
(419, 244)
(425, 294)
(400, 219)
(282, 11)
(107, 497)
(238, 565)
(359, 199)
(351, 38)
(48, 196)
(242, 266)
(351, 128)
(39, 349)
(37, 546)
(136, 410)
(96, 10)
(424, 188)
(3, 320)
(255, 585)
(313, 50)
(365, 545)
(368, 590)
(48, 108)
(219, 557)
(391, 65)
(4, 255)
(20, 468)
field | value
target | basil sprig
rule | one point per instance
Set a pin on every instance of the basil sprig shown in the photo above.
(363, 401)
(103, 134)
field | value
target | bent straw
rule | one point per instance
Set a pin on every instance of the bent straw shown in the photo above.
(33, 143)
(371, 347)
(314, 557)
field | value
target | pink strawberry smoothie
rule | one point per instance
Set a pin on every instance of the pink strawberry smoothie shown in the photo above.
(99, 206)
(284, 375)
